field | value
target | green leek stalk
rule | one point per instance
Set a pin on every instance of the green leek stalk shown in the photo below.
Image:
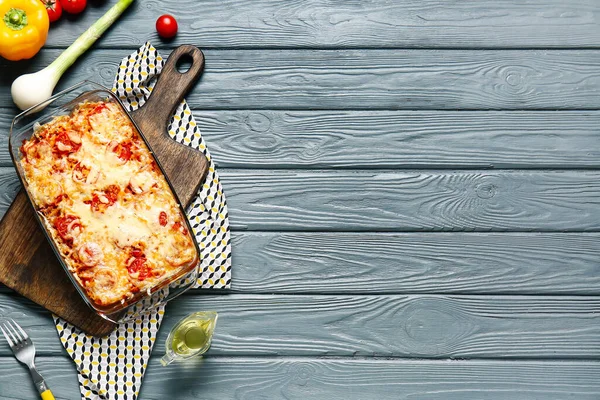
(31, 89)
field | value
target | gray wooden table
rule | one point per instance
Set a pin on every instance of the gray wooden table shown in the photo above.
(414, 190)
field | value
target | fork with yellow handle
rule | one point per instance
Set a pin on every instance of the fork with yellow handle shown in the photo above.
(24, 351)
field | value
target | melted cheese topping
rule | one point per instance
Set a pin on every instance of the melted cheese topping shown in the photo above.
(106, 204)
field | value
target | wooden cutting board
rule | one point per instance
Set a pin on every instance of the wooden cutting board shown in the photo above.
(27, 263)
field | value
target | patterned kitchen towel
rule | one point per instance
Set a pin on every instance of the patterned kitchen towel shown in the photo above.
(113, 367)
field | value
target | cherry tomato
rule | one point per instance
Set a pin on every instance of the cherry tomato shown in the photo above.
(112, 193)
(123, 151)
(81, 172)
(53, 8)
(163, 219)
(137, 253)
(166, 26)
(73, 6)
(99, 108)
(140, 267)
(62, 226)
(177, 226)
(64, 145)
(94, 202)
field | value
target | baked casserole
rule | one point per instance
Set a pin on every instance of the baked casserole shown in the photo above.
(106, 203)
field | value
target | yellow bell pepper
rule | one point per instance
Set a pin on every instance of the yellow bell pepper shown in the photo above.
(23, 28)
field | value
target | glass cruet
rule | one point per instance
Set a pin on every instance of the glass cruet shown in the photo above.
(191, 337)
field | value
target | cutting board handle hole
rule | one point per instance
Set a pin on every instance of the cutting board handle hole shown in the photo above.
(184, 63)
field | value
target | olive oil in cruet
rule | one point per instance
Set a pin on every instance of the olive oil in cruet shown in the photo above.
(190, 337)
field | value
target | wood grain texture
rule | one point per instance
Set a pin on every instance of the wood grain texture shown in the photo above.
(9, 187)
(403, 201)
(6, 117)
(392, 139)
(402, 139)
(413, 201)
(421, 326)
(377, 263)
(343, 23)
(336, 379)
(368, 79)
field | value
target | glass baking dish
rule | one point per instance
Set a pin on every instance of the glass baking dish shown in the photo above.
(63, 103)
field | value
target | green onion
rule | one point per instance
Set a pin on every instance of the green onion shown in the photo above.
(31, 89)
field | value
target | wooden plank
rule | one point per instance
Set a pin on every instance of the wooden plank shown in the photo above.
(401, 139)
(9, 186)
(6, 117)
(393, 139)
(59, 373)
(415, 263)
(402, 201)
(415, 326)
(413, 201)
(372, 263)
(368, 79)
(299, 378)
(342, 23)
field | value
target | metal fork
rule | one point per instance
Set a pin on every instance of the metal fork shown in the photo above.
(24, 351)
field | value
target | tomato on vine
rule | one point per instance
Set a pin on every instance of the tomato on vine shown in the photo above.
(53, 8)
(73, 6)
